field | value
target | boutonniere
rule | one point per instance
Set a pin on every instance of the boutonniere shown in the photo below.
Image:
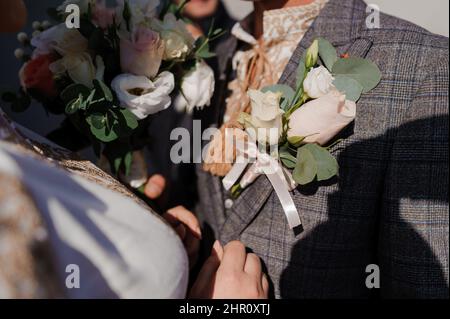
(289, 130)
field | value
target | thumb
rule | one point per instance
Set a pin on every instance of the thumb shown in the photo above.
(155, 186)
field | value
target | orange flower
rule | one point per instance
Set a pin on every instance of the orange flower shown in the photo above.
(36, 74)
(345, 56)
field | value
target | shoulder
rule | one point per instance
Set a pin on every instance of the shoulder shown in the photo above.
(406, 43)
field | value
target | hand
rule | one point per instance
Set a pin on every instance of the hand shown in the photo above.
(155, 186)
(187, 227)
(231, 273)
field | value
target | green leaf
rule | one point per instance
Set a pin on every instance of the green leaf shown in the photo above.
(97, 120)
(74, 105)
(327, 165)
(100, 86)
(306, 168)
(349, 86)
(130, 118)
(286, 90)
(301, 73)
(288, 159)
(73, 92)
(327, 53)
(362, 70)
(296, 141)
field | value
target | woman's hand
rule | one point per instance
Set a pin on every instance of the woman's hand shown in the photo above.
(184, 222)
(231, 273)
(187, 227)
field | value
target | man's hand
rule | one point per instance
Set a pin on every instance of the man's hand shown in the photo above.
(231, 273)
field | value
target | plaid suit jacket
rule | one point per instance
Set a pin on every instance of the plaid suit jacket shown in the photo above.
(389, 205)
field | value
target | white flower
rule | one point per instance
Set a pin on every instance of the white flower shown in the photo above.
(321, 119)
(142, 96)
(177, 39)
(266, 114)
(60, 39)
(79, 66)
(197, 88)
(318, 82)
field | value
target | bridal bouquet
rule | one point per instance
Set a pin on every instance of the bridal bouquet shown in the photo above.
(108, 69)
(301, 123)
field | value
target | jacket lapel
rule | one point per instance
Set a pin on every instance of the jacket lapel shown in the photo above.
(340, 22)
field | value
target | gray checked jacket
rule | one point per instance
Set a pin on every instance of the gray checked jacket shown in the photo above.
(389, 205)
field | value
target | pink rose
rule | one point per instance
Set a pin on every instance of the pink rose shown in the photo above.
(142, 55)
(103, 16)
(321, 119)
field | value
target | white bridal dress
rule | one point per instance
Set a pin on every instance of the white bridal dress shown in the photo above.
(103, 244)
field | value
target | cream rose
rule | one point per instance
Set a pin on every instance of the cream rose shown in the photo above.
(321, 119)
(142, 54)
(178, 41)
(79, 66)
(267, 115)
(318, 82)
(60, 39)
(142, 96)
(197, 88)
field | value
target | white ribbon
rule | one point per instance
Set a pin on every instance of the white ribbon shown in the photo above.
(275, 173)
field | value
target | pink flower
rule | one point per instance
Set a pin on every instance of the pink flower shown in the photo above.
(142, 55)
(103, 16)
(321, 119)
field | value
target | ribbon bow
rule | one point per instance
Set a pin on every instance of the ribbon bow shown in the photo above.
(263, 163)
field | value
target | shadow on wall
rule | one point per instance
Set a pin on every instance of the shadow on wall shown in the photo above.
(406, 234)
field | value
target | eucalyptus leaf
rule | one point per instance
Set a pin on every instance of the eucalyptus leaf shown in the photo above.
(74, 105)
(327, 53)
(97, 120)
(286, 157)
(127, 161)
(327, 165)
(130, 118)
(286, 90)
(306, 168)
(73, 92)
(359, 69)
(348, 86)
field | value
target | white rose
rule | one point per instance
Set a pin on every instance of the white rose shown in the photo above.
(318, 82)
(60, 39)
(266, 114)
(178, 41)
(79, 66)
(142, 96)
(197, 88)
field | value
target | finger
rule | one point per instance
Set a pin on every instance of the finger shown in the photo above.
(217, 250)
(265, 285)
(234, 256)
(253, 265)
(202, 287)
(155, 186)
(183, 215)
